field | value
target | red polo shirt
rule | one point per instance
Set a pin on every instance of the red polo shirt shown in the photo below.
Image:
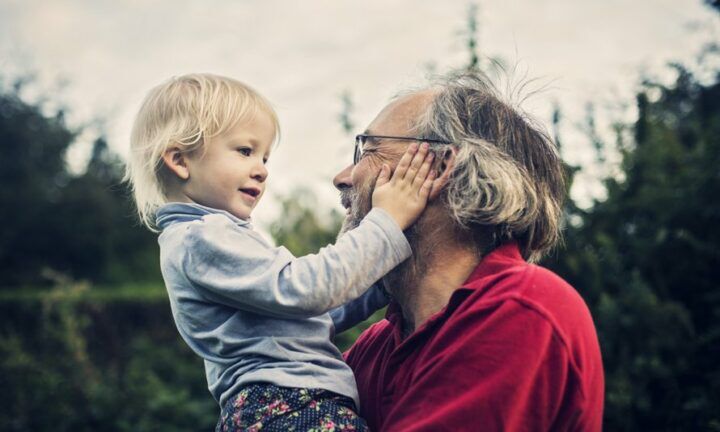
(515, 349)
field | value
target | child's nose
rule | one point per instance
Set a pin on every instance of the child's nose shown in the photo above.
(260, 172)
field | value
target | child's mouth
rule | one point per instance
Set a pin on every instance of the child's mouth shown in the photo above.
(252, 192)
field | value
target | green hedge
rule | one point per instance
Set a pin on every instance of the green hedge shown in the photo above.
(86, 359)
(75, 358)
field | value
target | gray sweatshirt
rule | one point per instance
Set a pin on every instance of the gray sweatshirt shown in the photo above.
(255, 313)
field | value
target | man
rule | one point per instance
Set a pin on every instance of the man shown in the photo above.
(475, 337)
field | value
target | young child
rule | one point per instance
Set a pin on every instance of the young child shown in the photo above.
(258, 316)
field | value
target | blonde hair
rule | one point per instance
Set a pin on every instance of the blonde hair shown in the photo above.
(183, 111)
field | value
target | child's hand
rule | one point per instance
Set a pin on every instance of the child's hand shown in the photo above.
(405, 195)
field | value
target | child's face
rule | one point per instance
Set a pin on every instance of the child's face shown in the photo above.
(229, 173)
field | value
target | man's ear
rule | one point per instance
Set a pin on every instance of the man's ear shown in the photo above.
(176, 161)
(445, 167)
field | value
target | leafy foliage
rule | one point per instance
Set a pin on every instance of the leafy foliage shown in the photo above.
(69, 362)
(300, 228)
(646, 260)
(81, 226)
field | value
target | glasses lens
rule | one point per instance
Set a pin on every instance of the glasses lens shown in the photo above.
(359, 141)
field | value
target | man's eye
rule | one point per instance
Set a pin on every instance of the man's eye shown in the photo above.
(245, 151)
(367, 152)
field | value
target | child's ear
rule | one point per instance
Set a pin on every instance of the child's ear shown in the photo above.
(176, 161)
(444, 167)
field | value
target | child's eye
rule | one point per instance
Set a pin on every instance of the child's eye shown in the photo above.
(265, 160)
(245, 151)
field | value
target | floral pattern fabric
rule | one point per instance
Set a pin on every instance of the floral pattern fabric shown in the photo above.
(265, 407)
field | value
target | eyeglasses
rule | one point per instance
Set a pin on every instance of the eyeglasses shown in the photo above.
(361, 139)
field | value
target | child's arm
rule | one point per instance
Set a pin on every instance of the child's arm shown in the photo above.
(236, 267)
(360, 309)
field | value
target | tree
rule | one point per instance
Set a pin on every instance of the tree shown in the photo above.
(78, 225)
(645, 259)
(32, 175)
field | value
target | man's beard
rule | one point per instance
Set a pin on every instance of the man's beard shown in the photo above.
(401, 277)
(358, 201)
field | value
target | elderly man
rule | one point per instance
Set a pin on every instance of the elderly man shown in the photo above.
(476, 338)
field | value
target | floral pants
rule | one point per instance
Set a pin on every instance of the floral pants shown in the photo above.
(265, 407)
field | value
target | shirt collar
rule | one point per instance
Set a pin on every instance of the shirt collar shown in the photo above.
(502, 257)
(177, 212)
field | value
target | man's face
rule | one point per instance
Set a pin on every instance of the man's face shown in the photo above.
(357, 182)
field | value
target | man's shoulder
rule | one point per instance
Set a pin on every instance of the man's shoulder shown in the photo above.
(536, 291)
(531, 285)
(556, 298)
(523, 301)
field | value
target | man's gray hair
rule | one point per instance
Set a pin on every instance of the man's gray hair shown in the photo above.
(507, 182)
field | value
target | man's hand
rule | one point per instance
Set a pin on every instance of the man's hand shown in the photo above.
(405, 194)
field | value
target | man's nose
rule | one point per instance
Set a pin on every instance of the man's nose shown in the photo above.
(343, 179)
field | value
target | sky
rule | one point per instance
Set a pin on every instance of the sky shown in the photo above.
(100, 57)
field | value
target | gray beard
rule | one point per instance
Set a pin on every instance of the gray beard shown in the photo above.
(400, 279)
(360, 202)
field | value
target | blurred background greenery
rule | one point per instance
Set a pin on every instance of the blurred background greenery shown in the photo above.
(87, 341)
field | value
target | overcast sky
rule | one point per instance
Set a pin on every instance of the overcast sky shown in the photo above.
(304, 54)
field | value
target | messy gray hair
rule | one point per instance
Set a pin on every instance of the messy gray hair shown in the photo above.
(507, 182)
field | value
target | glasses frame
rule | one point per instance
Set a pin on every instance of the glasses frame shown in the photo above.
(360, 140)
